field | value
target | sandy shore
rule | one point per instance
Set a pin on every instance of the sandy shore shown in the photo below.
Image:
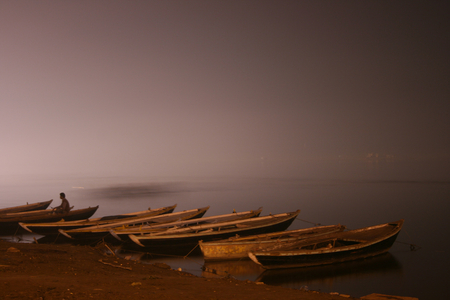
(42, 271)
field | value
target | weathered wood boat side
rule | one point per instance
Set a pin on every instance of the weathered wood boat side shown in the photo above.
(122, 233)
(182, 239)
(103, 230)
(26, 207)
(9, 223)
(239, 247)
(51, 228)
(333, 248)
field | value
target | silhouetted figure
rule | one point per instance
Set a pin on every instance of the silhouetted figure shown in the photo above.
(64, 207)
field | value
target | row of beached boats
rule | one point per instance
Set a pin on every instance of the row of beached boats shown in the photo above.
(237, 235)
(37, 212)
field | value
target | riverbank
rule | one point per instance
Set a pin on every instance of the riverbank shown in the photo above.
(42, 271)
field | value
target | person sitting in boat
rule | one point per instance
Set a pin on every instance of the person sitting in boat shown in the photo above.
(64, 207)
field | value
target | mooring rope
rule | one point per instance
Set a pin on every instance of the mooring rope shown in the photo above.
(106, 245)
(17, 229)
(412, 247)
(190, 251)
(315, 224)
(57, 236)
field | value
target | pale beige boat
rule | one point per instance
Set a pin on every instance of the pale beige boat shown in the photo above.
(239, 247)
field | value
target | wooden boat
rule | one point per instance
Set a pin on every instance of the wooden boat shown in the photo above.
(123, 233)
(182, 239)
(9, 223)
(378, 265)
(333, 248)
(26, 207)
(103, 230)
(239, 247)
(51, 228)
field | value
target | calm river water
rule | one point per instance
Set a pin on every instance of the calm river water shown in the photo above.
(354, 201)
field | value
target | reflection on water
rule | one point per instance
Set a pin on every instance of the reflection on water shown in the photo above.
(62, 239)
(245, 269)
(190, 263)
(376, 266)
(240, 269)
(21, 238)
(194, 263)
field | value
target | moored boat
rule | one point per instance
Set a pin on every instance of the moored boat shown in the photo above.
(9, 223)
(52, 228)
(239, 247)
(26, 207)
(332, 248)
(103, 230)
(123, 233)
(183, 239)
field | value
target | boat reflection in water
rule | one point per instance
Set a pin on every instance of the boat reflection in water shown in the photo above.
(316, 278)
(194, 263)
(191, 263)
(239, 269)
(381, 265)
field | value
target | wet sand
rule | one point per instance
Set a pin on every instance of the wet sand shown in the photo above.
(46, 271)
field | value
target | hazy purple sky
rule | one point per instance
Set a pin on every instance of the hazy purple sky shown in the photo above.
(160, 86)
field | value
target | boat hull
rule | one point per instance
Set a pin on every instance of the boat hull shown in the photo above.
(123, 235)
(52, 228)
(9, 223)
(238, 248)
(184, 242)
(281, 258)
(105, 231)
(26, 207)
